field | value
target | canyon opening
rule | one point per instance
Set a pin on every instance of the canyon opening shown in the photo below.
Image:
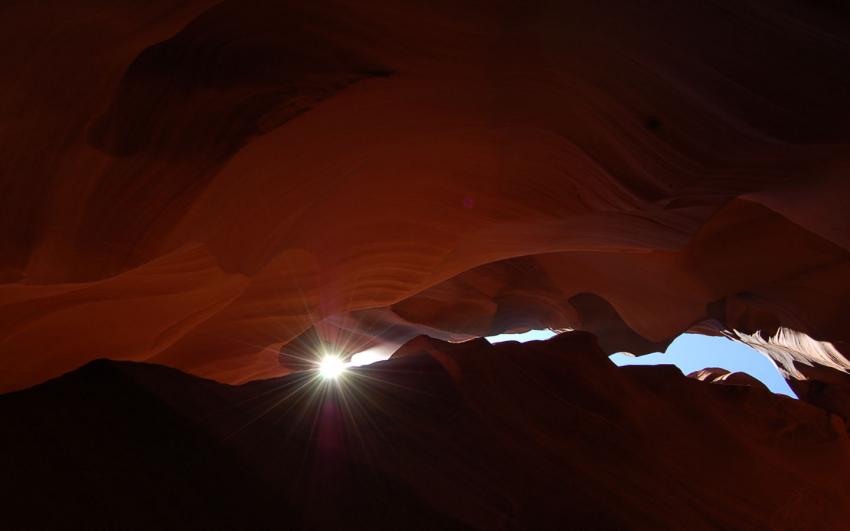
(387, 264)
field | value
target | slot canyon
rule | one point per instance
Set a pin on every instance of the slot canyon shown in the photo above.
(209, 207)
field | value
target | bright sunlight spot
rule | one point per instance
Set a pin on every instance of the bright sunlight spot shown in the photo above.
(331, 367)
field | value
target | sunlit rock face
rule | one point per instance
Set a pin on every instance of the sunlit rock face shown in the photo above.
(441, 436)
(722, 376)
(199, 185)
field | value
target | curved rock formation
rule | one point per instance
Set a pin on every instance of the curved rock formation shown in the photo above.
(198, 185)
(441, 436)
(724, 377)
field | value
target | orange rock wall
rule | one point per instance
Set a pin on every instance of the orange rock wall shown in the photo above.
(198, 184)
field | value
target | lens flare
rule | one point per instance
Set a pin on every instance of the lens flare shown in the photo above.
(331, 367)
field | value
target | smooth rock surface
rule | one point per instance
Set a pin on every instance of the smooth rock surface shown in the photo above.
(198, 184)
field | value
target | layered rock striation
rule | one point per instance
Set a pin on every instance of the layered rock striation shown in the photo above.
(201, 184)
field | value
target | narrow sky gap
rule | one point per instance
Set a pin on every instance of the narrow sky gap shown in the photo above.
(531, 335)
(691, 352)
(688, 352)
(369, 356)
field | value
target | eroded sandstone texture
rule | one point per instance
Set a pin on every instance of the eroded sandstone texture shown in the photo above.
(200, 183)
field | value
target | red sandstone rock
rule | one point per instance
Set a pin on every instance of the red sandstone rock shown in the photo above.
(200, 185)
(722, 376)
